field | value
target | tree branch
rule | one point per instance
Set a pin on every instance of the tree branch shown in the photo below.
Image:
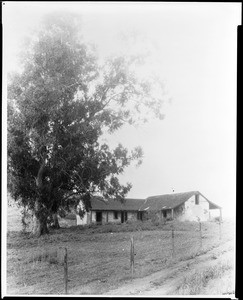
(39, 179)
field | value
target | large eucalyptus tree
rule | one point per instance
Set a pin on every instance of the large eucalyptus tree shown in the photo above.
(59, 106)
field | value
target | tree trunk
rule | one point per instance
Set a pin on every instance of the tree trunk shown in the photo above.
(40, 216)
(39, 226)
(39, 221)
(55, 223)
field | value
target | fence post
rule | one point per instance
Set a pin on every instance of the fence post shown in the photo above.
(200, 232)
(132, 256)
(220, 232)
(65, 272)
(172, 240)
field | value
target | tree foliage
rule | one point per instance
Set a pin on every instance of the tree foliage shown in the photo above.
(58, 108)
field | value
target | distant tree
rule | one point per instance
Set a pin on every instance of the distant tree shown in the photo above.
(59, 106)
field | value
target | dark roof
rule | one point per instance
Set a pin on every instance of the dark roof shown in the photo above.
(166, 201)
(129, 204)
(160, 202)
(169, 201)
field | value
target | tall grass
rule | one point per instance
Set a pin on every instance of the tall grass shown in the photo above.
(131, 226)
(195, 282)
(45, 256)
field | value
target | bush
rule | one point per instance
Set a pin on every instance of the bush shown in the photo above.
(70, 216)
(26, 220)
(137, 225)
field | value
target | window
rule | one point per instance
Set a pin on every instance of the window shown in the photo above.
(115, 215)
(197, 199)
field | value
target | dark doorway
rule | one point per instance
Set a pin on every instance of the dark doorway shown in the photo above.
(99, 217)
(140, 215)
(165, 214)
(123, 216)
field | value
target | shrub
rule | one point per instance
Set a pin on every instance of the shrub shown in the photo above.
(216, 219)
(26, 220)
(70, 216)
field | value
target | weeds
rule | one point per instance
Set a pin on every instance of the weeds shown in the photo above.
(135, 226)
(193, 284)
(45, 256)
(102, 251)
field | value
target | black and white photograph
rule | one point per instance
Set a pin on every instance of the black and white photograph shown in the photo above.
(119, 124)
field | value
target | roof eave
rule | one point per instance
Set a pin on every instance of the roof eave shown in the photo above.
(210, 202)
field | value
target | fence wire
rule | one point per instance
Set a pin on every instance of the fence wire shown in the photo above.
(110, 258)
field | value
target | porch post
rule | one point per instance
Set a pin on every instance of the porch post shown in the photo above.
(107, 217)
(172, 213)
(90, 216)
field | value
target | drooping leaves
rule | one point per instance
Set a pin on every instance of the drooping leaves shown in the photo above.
(58, 108)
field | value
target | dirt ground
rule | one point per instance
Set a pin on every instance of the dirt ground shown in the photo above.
(166, 282)
(99, 260)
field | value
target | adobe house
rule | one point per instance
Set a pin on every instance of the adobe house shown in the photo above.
(187, 206)
(104, 211)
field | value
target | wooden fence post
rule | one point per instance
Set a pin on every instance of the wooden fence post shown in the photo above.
(132, 256)
(65, 272)
(200, 232)
(172, 240)
(220, 232)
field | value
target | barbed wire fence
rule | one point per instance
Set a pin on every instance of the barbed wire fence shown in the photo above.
(135, 255)
(107, 260)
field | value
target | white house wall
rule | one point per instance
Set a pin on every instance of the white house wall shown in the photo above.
(192, 211)
(132, 216)
(111, 217)
(93, 217)
(104, 216)
(214, 213)
(188, 211)
(86, 218)
(82, 221)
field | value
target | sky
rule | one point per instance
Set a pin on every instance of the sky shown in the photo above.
(193, 48)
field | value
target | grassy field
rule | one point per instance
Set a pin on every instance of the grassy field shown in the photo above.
(99, 257)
